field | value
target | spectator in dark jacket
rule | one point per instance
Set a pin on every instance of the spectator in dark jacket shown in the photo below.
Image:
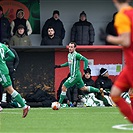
(4, 26)
(110, 29)
(12, 66)
(20, 20)
(103, 81)
(87, 79)
(56, 23)
(82, 31)
(51, 39)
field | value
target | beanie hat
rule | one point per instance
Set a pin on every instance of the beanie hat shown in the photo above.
(20, 26)
(1, 9)
(103, 71)
(88, 70)
(82, 14)
(56, 12)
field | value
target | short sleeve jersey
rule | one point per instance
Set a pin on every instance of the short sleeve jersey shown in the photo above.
(124, 24)
(3, 50)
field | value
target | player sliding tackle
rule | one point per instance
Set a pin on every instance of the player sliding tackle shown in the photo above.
(75, 78)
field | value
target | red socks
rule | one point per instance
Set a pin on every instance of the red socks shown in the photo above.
(124, 107)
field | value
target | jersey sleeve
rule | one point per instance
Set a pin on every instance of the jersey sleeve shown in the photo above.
(81, 57)
(64, 65)
(10, 55)
(122, 23)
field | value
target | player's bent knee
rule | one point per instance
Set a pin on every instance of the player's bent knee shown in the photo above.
(64, 89)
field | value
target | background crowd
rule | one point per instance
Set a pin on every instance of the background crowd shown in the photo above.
(52, 33)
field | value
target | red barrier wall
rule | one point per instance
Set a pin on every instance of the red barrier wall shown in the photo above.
(100, 54)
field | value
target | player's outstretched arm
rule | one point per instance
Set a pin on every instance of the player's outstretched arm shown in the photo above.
(62, 65)
(57, 66)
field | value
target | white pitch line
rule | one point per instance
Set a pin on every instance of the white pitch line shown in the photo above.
(9, 113)
(123, 126)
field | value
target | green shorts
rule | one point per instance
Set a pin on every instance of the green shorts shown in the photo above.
(71, 81)
(5, 80)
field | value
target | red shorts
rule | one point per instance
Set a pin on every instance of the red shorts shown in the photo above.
(125, 79)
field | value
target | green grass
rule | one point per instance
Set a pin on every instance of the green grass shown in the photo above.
(65, 120)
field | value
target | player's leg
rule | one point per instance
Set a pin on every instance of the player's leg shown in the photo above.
(124, 107)
(7, 85)
(68, 83)
(63, 94)
(122, 84)
(19, 99)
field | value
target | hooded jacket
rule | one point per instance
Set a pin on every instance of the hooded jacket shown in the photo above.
(16, 22)
(20, 40)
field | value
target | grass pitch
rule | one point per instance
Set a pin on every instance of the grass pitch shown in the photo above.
(65, 120)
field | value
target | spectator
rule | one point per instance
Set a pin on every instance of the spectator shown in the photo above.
(82, 31)
(20, 38)
(4, 26)
(51, 39)
(20, 20)
(103, 81)
(12, 66)
(88, 79)
(88, 98)
(56, 23)
(110, 29)
(72, 94)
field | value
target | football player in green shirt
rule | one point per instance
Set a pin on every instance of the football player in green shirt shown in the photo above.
(7, 55)
(75, 78)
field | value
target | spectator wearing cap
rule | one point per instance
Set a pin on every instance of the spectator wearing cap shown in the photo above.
(87, 78)
(4, 26)
(20, 20)
(103, 81)
(82, 32)
(88, 81)
(56, 23)
(20, 38)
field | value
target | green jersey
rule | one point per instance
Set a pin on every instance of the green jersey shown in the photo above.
(3, 58)
(74, 63)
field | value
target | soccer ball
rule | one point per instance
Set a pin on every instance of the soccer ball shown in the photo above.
(55, 105)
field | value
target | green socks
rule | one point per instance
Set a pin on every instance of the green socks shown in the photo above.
(62, 96)
(93, 89)
(18, 98)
